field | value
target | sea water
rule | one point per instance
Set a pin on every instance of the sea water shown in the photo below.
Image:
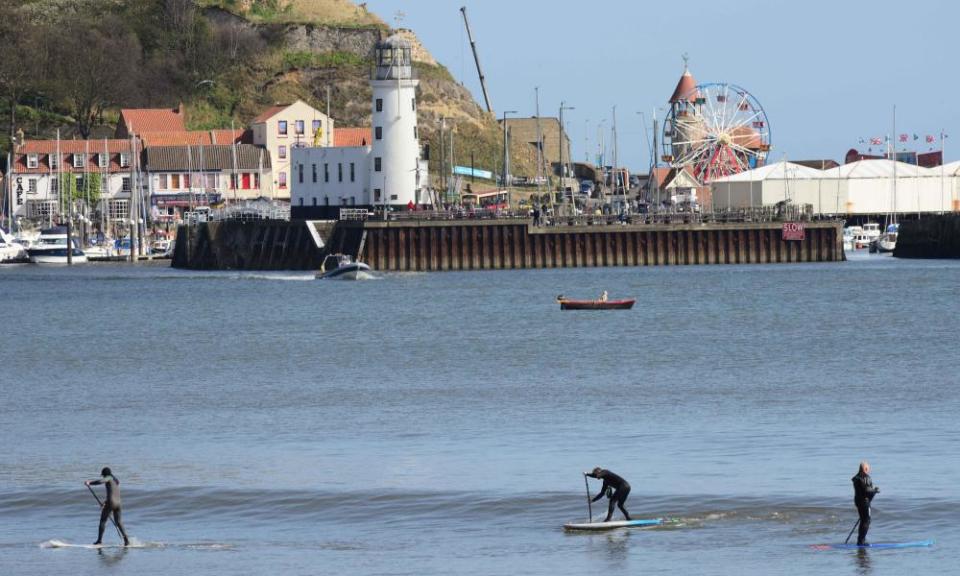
(267, 423)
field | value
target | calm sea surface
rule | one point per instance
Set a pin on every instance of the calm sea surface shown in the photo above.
(267, 423)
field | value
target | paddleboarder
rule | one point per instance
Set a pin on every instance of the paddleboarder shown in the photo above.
(863, 493)
(110, 505)
(615, 487)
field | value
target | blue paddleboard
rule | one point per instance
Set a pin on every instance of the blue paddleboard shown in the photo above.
(875, 546)
(596, 526)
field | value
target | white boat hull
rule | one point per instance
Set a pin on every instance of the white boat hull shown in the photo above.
(52, 259)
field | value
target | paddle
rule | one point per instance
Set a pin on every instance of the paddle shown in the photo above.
(855, 524)
(101, 506)
(589, 502)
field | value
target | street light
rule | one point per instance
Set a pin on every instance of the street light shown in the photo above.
(506, 150)
(563, 107)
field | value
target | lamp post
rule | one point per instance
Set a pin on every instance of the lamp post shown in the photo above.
(563, 106)
(506, 149)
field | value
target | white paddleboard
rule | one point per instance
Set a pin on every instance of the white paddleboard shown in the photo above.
(597, 526)
(62, 544)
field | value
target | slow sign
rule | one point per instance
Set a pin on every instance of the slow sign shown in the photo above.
(793, 231)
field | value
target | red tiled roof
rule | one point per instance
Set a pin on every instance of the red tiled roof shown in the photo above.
(352, 137)
(138, 120)
(45, 148)
(685, 88)
(197, 137)
(270, 113)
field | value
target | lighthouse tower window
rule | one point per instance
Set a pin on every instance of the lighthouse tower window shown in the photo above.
(378, 133)
(379, 104)
(415, 132)
(377, 164)
(413, 104)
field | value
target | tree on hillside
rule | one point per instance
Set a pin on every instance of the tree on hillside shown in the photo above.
(95, 66)
(17, 72)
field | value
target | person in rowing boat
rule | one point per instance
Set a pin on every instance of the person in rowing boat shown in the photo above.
(863, 493)
(111, 504)
(604, 296)
(615, 487)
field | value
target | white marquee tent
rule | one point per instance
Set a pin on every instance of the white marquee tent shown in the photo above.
(863, 187)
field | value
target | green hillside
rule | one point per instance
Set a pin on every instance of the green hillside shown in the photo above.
(70, 65)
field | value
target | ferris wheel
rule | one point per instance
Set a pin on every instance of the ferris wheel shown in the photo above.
(716, 130)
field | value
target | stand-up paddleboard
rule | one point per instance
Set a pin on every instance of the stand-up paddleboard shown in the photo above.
(875, 546)
(62, 544)
(598, 526)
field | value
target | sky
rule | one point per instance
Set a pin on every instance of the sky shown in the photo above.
(827, 73)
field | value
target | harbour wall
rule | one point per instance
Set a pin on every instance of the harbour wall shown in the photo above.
(427, 245)
(490, 245)
(934, 237)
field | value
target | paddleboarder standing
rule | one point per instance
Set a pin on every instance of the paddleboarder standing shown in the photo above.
(619, 487)
(863, 493)
(110, 505)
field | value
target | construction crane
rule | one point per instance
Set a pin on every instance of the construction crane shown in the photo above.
(473, 46)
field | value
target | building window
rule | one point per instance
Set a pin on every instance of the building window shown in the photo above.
(353, 172)
(103, 160)
(415, 136)
(376, 194)
(393, 196)
(378, 132)
(300, 173)
(379, 104)
(174, 181)
(314, 200)
(283, 179)
(126, 184)
(326, 172)
(377, 164)
(343, 201)
(33, 160)
(256, 180)
(413, 104)
(32, 186)
(353, 200)
(301, 201)
(118, 209)
(186, 181)
(316, 127)
(299, 127)
(314, 167)
(282, 127)
(339, 172)
(283, 152)
(78, 160)
(124, 160)
(162, 182)
(54, 161)
(326, 200)
(54, 187)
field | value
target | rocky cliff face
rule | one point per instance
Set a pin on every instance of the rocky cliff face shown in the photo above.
(308, 59)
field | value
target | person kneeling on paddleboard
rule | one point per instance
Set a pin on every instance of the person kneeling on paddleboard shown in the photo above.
(111, 504)
(616, 484)
(863, 493)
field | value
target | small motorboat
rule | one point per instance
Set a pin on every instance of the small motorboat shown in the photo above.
(342, 267)
(51, 248)
(598, 304)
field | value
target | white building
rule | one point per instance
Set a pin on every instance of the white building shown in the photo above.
(281, 129)
(42, 168)
(389, 172)
(180, 177)
(866, 187)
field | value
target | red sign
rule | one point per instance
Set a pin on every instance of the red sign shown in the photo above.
(794, 231)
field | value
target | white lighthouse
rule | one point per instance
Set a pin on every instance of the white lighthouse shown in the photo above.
(396, 171)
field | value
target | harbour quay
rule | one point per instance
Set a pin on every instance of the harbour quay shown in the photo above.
(428, 243)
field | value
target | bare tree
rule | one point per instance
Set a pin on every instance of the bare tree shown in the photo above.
(17, 73)
(96, 67)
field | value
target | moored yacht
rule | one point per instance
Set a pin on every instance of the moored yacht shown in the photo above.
(51, 248)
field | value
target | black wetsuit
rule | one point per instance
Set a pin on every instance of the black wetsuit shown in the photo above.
(111, 504)
(621, 489)
(863, 493)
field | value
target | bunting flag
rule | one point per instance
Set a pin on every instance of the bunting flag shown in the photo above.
(876, 141)
(930, 139)
(862, 141)
(903, 137)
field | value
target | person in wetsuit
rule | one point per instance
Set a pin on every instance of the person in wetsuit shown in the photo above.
(111, 504)
(863, 493)
(616, 484)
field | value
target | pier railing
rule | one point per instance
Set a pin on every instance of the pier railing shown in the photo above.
(746, 215)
